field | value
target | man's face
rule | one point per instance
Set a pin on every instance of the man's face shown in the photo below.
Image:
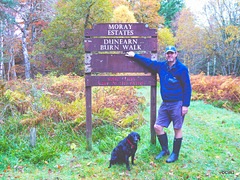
(171, 56)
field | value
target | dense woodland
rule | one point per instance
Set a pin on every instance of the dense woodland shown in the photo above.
(39, 36)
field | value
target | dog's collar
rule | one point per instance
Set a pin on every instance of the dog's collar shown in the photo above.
(130, 143)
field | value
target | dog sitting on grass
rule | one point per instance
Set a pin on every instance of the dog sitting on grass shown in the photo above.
(125, 148)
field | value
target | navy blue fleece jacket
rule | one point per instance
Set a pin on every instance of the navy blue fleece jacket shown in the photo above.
(175, 81)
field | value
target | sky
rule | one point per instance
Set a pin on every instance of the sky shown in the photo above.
(196, 7)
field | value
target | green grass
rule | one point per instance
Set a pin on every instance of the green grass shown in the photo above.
(210, 145)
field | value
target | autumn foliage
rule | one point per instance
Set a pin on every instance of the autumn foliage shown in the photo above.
(62, 99)
(122, 14)
(217, 88)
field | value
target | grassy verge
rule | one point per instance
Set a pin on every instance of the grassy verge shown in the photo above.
(210, 147)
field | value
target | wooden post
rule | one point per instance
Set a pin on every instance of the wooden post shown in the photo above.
(33, 137)
(89, 116)
(153, 112)
(88, 93)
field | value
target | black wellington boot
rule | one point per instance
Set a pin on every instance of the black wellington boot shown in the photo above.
(163, 140)
(176, 148)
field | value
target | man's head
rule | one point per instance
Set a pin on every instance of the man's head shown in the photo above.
(171, 54)
(170, 49)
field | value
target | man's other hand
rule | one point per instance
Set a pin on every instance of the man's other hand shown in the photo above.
(184, 110)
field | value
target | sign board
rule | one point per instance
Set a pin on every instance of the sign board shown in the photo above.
(120, 29)
(120, 81)
(105, 48)
(120, 44)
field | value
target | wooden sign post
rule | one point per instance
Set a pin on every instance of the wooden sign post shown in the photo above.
(118, 37)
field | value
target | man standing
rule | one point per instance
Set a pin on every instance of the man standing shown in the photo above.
(176, 96)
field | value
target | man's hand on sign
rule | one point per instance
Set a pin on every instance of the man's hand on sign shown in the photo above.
(130, 54)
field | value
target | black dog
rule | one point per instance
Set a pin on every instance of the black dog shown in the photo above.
(125, 148)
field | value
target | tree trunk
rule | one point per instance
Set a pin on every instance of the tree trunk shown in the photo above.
(214, 65)
(25, 54)
(11, 66)
(1, 60)
(208, 68)
(236, 63)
